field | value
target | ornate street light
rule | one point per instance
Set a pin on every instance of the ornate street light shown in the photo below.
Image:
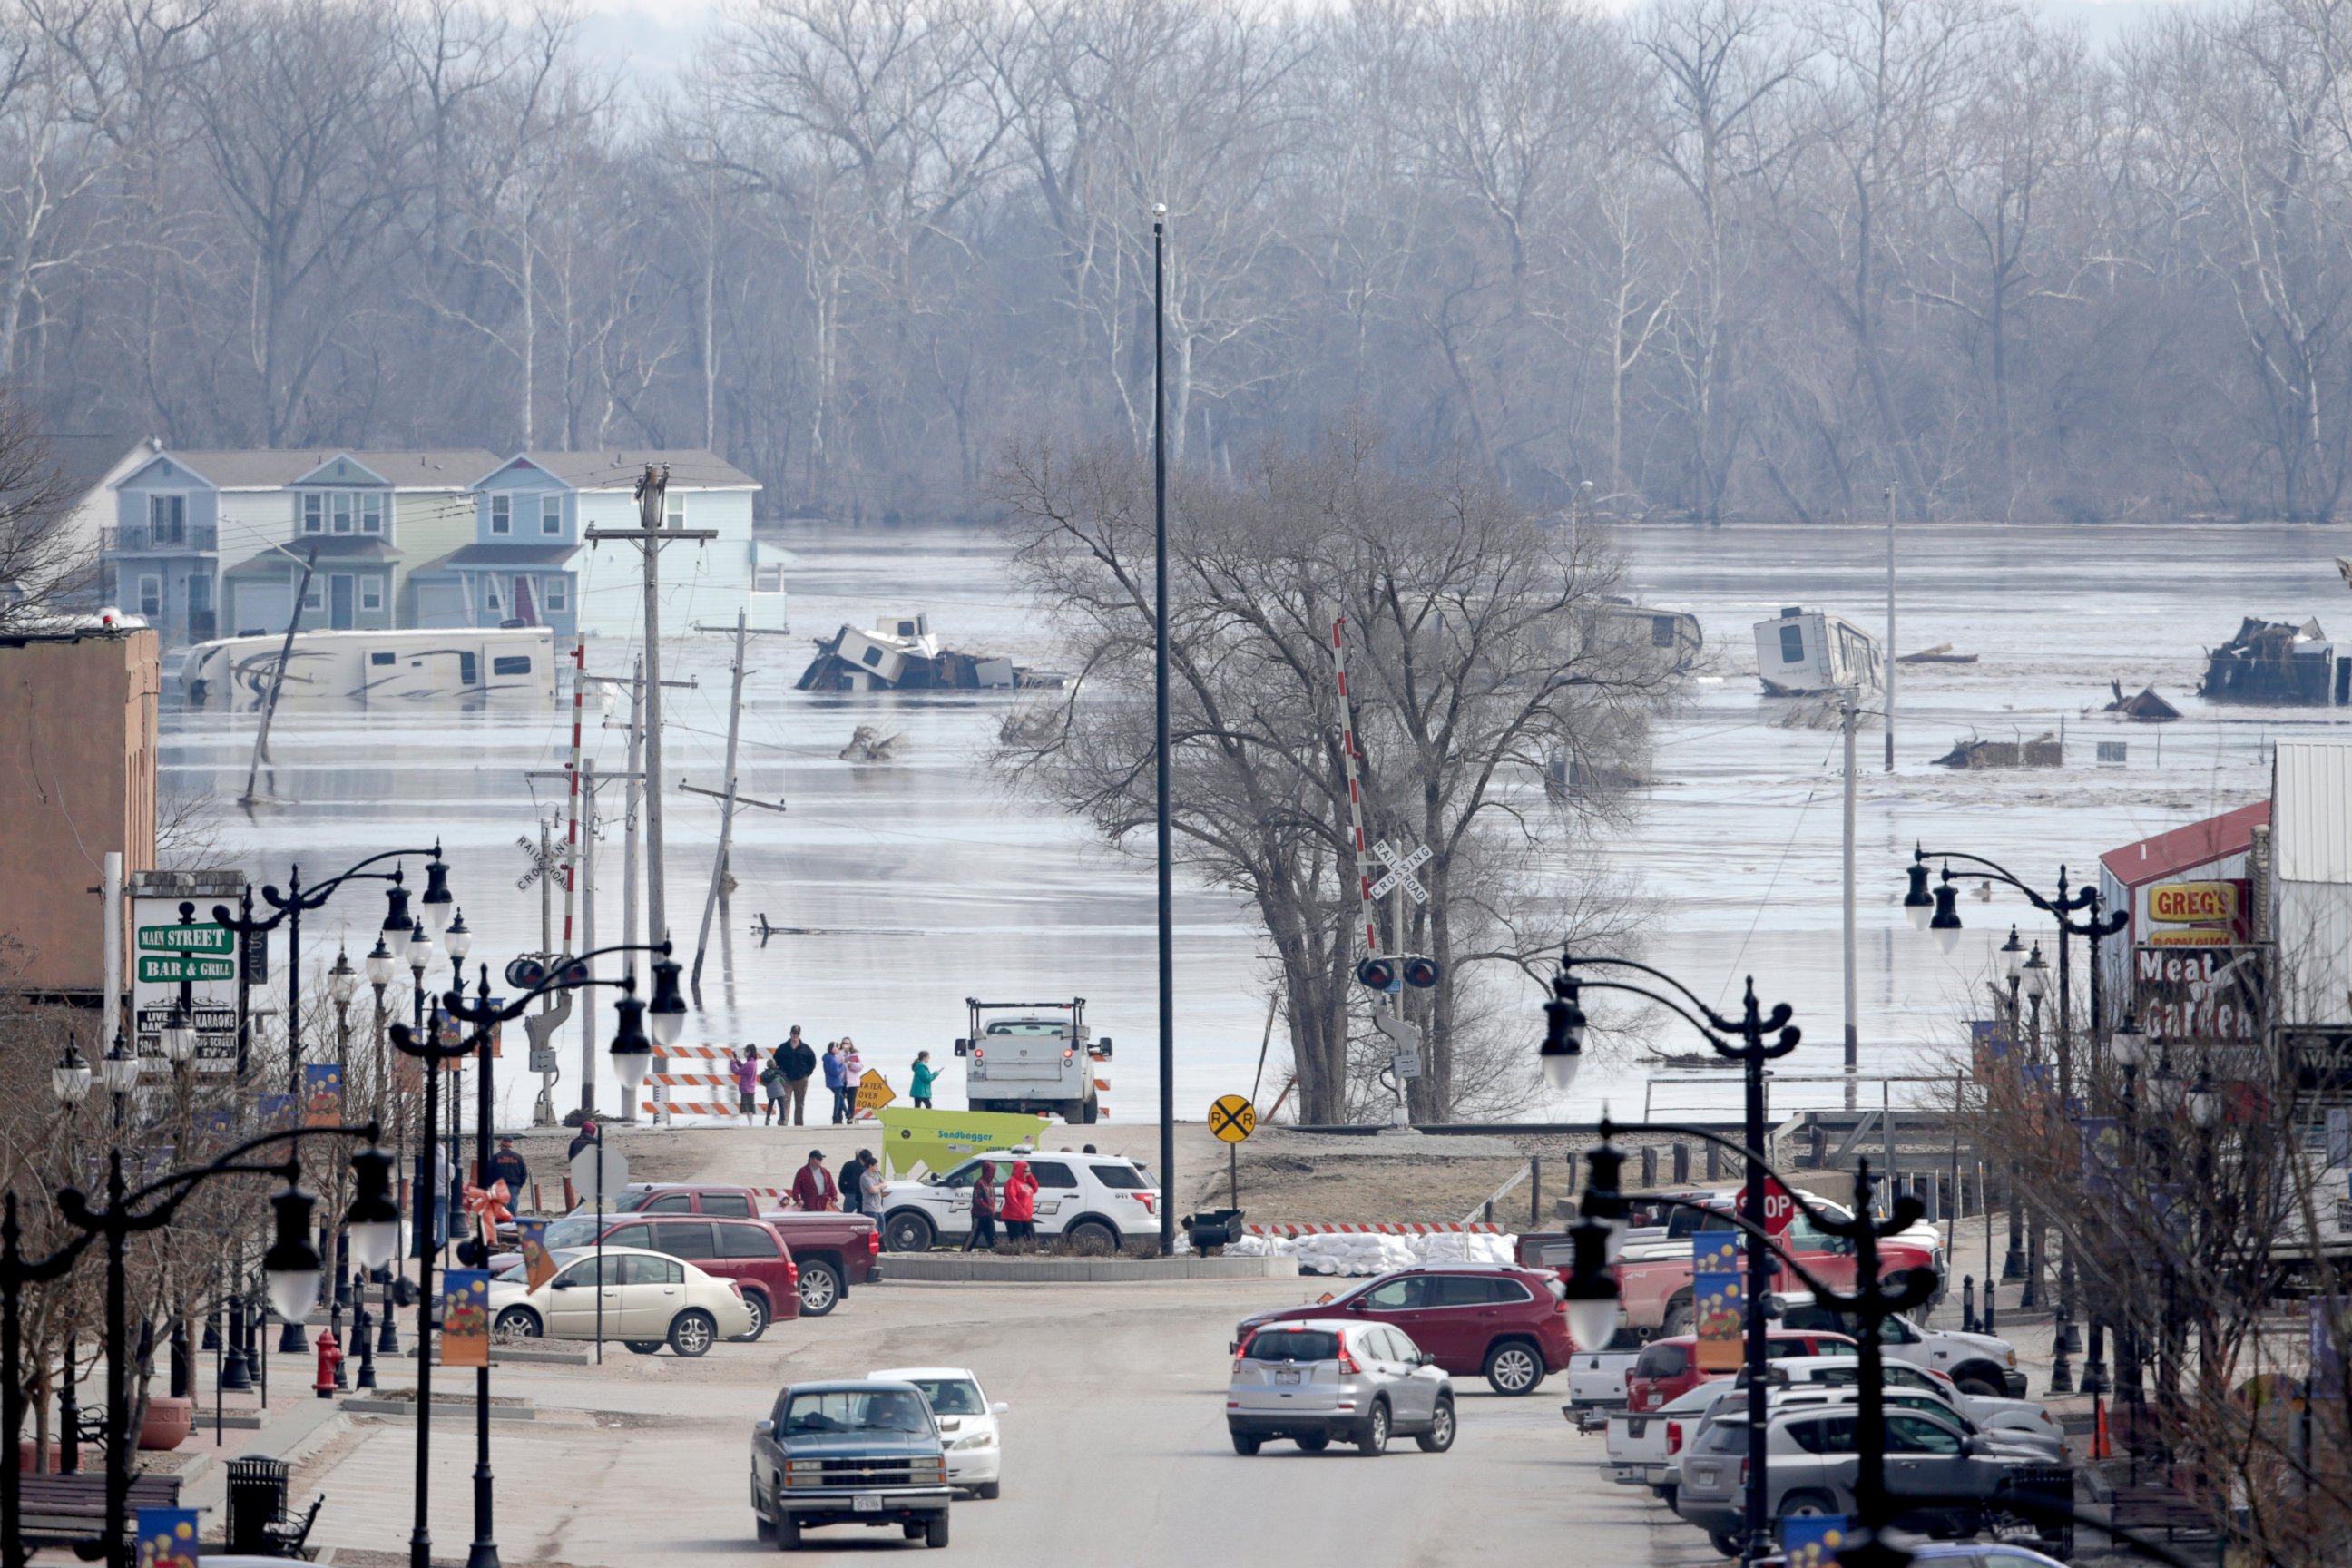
(291, 1264)
(2035, 973)
(438, 902)
(380, 965)
(180, 1038)
(1945, 925)
(1562, 1056)
(70, 1079)
(668, 1013)
(373, 1221)
(343, 979)
(2012, 953)
(456, 938)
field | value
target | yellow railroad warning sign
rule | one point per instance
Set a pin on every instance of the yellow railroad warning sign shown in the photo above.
(1233, 1117)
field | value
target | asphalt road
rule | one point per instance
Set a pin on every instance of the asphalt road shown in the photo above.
(1115, 1452)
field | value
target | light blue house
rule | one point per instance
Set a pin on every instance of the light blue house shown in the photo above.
(531, 561)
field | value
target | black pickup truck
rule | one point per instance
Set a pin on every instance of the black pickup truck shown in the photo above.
(849, 1453)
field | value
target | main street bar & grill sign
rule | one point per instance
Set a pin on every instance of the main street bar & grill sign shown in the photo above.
(2216, 995)
(176, 943)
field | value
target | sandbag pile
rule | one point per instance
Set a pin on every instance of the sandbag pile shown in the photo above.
(1362, 1254)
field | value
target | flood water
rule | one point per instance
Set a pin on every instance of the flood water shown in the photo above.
(915, 883)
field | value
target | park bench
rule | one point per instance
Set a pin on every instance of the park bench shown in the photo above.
(56, 1507)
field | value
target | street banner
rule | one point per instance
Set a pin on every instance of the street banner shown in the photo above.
(2326, 1353)
(937, 1141)
(179, 956)
(1719, 1298)
(466, 1317)
(218, 1126)
(275, 1111)
(1812, 1540)
(2102, 1148)
(323, 1094)
(167, 1538)
(538, 1262)
(1988, 1048)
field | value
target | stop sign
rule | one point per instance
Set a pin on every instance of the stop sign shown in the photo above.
(1780, 1209)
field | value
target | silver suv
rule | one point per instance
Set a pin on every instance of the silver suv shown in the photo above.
(1328, 1377)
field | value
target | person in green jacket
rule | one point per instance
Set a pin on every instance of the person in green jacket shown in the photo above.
(925, 1075)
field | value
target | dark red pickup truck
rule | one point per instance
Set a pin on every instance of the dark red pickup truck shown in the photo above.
(835, 1251)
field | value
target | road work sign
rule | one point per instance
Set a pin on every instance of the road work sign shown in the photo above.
(874, 1091)
(1233, 1117)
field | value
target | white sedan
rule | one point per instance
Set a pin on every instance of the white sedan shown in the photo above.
(645, 1300)
(967, 1422)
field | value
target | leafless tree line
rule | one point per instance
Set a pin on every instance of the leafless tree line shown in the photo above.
(1716, 257)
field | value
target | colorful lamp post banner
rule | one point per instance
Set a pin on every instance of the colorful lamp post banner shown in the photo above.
(275, 1111)
(466, 1317)
(1718, 1299)
(536, 1259)
(1813, 1541)
(167, 1538)
(323, 1094)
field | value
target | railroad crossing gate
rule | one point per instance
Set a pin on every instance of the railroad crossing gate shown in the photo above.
(1233, 1119)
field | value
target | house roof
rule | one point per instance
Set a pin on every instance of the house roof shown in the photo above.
(87, 461)
(271, 468)
(480, 556)
(618, 471)
(334, 549)
(2198, 844)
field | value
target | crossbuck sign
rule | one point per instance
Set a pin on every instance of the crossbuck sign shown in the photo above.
(1399, 873)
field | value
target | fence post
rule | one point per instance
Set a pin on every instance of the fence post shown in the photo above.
(1535, 1192)
(1650, 1165)
(1682, 1164)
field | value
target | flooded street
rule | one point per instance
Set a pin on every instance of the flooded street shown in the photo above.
(915, 883)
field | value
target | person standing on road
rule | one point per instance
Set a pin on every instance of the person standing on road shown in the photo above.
(587, 1135)
(876, 1193)
(508, 1166)
(925, 1075)
(771, 1084)
(853, 1069)
(833, 1081)
(1020, 1205)
(796, 1059)
(747, 1080)
(983, 1210)
(813, 1188)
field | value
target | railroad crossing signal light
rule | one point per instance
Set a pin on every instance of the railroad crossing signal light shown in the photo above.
(1393, 973)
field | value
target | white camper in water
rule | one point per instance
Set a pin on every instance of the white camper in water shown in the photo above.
(1811, 653)
(507, 665)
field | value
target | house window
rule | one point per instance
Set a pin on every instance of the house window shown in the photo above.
(677, 509)
(371, 513)
(551, 514)
(501, 514)
(370, 593)
(555, 592)
(314, 514)
(344, 512)
(314, 595)
(490, 600)
(151, 596)
(167, 519)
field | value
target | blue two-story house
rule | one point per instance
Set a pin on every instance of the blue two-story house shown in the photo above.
(532, 563)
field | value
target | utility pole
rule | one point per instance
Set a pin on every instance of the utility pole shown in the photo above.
(1850, 703)
(1890, 628)
(633, 805)
(726, 796)
(1160, 748)
(649, 536)
(586, 814)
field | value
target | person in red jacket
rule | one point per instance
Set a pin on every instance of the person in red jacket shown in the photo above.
(1021, 1203)
(983, 1210)
(813, 1188)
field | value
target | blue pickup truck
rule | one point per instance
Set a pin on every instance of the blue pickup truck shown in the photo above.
(864, 1452)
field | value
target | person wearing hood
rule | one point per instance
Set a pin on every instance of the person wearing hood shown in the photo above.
(1020, 1204)
(983, 1209)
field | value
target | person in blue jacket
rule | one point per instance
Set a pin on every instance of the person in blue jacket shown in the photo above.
(837, 1079)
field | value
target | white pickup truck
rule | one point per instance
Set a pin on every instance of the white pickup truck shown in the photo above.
(1641, 1448)
(1978, 1363)
(1596, 1379)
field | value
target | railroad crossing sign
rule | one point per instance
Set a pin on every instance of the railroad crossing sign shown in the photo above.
(1401, 869)
(1405, 1036)
(1233, 1117)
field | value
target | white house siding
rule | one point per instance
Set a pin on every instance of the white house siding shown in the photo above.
(2310, 842)
(704, 583)
(252, 521)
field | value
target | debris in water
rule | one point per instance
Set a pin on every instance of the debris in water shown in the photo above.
(902, 655)
(2278, 664)
(2044, 751)
(1940, 654)
(867, 745)
(1813, 653)
(2148, 706)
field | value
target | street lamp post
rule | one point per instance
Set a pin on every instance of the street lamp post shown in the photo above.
(1941, 914)
(1762, 1038)
(380, 967)
(631, 1054)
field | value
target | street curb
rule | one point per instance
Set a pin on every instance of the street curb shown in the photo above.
(952, 1266)
(453, 1410)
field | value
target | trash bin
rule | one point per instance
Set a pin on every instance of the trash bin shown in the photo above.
(1213, 1227)
(257, 1499)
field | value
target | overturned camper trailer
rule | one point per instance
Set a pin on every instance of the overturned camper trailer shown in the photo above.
(901, 655)
(2277, 664)
(1811, 652)
(373, 669)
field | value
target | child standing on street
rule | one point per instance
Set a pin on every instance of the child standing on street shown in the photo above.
(746, 1079)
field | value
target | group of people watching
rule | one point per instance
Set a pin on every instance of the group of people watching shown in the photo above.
(786, 1074)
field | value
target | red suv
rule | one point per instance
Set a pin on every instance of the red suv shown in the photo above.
(1667, 1369)
(748, 1251)
(1508, 1325)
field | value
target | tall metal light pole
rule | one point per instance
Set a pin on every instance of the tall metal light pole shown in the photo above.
(1160, 694)
(1890, 628)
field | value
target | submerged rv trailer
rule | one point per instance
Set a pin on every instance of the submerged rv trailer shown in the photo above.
(373, 669)
(1813, 653)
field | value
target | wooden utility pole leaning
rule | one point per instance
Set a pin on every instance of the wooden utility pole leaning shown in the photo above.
(1849, 705)
(649, 536)
(726, 796)
(1890, 628)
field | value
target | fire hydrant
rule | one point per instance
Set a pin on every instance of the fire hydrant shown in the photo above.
(330, 1356)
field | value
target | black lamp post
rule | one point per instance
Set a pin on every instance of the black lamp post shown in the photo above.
(291, 1264)
(1760, 1037)
(2062, 906)
(380, 967)
(631, 1054)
